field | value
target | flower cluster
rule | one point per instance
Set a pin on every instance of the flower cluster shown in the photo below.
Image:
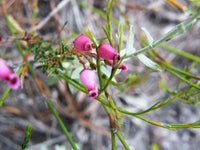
(6, 74)
(105, 51)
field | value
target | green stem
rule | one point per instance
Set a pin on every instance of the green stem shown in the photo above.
(122, 140)
(7, 90)
(112, 75)
(10, 27)
(104, 102)
(99, 72)
(180, 71)
(180, 28)
(112, 131)
(61, 124)
(113, 139)
(183, 79)
(30, 70)
(99, 13)
(181, 53)
(72, 82)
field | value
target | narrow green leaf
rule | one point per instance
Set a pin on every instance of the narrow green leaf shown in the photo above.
(180, 52)
(27, 137)
(148, 36)
(182, 28)
(52, 79)
(91, 37)
(4, 96)
(61, 124)
(130, 41)
(119, 36)
(148, 62)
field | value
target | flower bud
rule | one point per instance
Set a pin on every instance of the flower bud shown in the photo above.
(106, 51)
(87, 77)
(6, 74)
(82, 43)
(121, 66)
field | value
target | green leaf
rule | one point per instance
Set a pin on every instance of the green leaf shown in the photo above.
(72, 89)
(76, 73)
(27, 137)
(181, 28)
(196, 2)
(130, 41)
(148, 62)
(162, 85)
(109, 6)
(119, 36)
(91, 37)
(155, 146)
(52, 79)
(148, 36)
(60, 147)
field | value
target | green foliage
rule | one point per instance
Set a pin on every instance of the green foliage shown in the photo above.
(155, 146)
(52, 79)
(130, 50)
(196, 2)
(27, 137)
(65, 62)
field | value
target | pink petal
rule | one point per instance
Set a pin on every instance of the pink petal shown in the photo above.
(82, 43)
(106, 51)
(4, 70)
(13, 81)
(125, 68)
(92, 94)
(121, 66)
(87, 77)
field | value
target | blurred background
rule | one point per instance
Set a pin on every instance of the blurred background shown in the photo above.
(86, 120)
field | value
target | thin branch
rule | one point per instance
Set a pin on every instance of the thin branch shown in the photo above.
(58, 8)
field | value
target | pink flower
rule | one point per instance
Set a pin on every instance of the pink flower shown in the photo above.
(6, 74)
(13, 81)
(106, 51)
(4, 70)
(87, 77)
(121, 66)
(83, 43)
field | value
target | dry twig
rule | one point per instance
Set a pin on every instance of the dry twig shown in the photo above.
(60, 6)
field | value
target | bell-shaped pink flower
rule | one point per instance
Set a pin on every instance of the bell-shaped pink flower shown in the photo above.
(106, 51)
(87, 77)
(4, 70)
(121, 66)
(6, 74)
(83, 43)
(13, 81)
